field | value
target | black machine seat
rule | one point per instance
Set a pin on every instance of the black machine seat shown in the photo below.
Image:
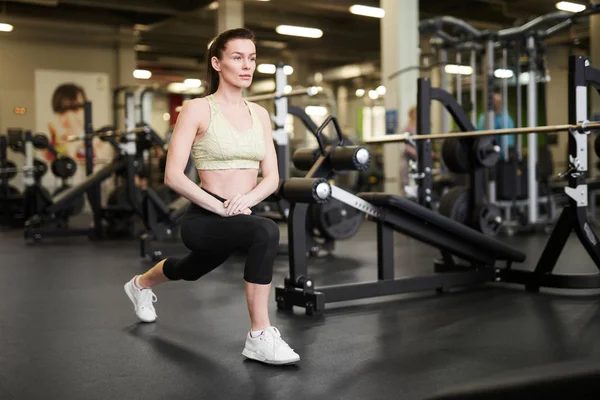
(406, 208)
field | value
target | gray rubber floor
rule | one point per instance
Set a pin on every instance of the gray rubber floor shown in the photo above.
(67, 330)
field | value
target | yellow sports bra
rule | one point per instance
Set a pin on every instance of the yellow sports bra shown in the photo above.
(224, 147)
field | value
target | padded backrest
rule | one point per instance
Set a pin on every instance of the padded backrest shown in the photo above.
(497, 249)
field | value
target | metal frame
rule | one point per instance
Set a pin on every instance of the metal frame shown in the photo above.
(574, 216)
(37, 215)
(299, 289)
(425, 95)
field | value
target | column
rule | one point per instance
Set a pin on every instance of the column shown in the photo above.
(594, 97)
(557, 101)
(399, 49)
(342, 108)
(126, 64)
(230, 15)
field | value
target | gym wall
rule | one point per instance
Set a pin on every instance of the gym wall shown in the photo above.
(25, 51)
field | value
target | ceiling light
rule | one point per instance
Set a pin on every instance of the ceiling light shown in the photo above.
(316, 111)
(360, 92)
(373, 94)
(299, 31)
(381, 90)
(177, 87)
(503, 73)
(367, 11)
(6, 27)
(192, 83)
(271, 69)
(458, 69)
(569, 7)
(266, 68)
(214, 5)
(287, 89)
(142, 74)
(166, 117)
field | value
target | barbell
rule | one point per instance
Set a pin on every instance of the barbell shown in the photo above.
(8, 169)
(108, 132)
(580, 127)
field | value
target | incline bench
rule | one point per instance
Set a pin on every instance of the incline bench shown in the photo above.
(480, 253)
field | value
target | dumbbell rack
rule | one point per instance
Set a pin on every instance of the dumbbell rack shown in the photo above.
(11, 199)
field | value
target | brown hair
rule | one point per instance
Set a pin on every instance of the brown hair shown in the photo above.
(216, 49)
(65, 98)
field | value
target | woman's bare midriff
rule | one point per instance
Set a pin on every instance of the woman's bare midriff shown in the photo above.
(227, 183)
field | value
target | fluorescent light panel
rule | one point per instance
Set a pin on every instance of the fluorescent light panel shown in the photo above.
(570, 7)
(142, 74)
(192, 83)
(6, 27)
(366, 11)
(271, 69)
(458, 69)
(503, 73)
(300, 31)
(316, 111)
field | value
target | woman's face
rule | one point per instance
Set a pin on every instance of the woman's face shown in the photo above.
(237, 63)
(72, 119)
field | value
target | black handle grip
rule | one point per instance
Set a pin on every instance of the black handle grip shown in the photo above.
(338, 131)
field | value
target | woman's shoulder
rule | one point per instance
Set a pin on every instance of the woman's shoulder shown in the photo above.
(259, 110)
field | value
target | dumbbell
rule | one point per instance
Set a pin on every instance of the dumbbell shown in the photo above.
(63, 166)
(8, 169)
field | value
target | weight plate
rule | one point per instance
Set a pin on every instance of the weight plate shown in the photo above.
(76, 205)
(455, 204)
(8, 170)
(40, 141)
(336, 221)
(487, 219)
(456, 155)
(40, 168)
(487, 151)
(64, 167)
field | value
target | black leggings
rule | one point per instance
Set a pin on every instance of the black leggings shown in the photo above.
(212, 239)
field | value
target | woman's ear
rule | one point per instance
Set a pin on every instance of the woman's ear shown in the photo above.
(215, 64)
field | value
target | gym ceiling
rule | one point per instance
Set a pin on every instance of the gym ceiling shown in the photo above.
(171, 35)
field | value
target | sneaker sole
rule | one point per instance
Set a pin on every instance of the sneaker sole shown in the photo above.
(130, 295)
(255, 356)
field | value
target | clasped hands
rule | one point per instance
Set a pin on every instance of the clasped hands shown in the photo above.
(238, 204)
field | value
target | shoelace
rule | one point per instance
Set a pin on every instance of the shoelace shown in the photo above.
(148, 296)
(279, 342)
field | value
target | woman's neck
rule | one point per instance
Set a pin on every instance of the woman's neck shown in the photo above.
(229, 96)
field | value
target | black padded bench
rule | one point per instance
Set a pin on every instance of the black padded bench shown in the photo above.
(393, 214)
(442, 232)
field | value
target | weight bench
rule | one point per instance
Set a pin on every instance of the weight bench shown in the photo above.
(160, 220)
(479, 253)
(442, 232)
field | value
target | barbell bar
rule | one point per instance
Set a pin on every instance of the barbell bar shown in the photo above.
(407, 137)
(108, 133)
(310, 91)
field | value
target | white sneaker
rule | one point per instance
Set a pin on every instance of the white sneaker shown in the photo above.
(269, 348)
(142, 300)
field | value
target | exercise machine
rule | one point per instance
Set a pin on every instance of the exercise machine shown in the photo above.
(479, 253)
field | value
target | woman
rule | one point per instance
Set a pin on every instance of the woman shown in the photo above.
(229, 139)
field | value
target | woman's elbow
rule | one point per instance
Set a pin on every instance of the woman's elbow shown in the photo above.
(170, 179)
